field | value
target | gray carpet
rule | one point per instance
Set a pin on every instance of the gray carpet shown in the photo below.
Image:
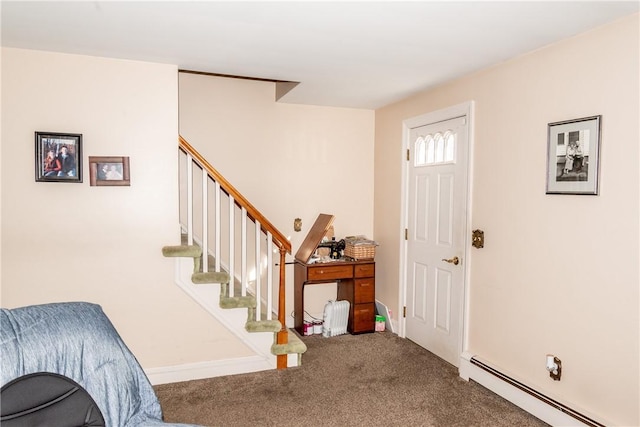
(374, 379)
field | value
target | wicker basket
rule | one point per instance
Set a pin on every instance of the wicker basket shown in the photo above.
(360, 251)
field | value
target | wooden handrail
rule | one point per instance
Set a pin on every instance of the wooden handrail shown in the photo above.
(265, 225)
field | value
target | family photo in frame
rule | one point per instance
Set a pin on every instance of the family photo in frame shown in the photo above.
(573, 156)
(109, 171)
(58, 157)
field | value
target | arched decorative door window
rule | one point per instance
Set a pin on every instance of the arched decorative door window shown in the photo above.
(435, 149)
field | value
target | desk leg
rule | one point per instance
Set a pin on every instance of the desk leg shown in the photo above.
(298, 298)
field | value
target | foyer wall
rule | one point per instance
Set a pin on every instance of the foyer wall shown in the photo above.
(70, 242)
(558, 274)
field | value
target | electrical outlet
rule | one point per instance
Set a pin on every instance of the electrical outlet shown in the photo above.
(554, 366)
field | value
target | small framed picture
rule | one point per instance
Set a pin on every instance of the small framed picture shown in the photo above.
(58, 157)
(109, 171)
(573, 156)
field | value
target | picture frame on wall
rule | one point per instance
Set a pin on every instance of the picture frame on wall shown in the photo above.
(58, 157)
(109, 171)
(573, 156)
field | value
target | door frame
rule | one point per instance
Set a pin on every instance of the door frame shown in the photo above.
(463, 109)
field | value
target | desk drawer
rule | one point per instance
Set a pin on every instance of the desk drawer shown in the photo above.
(329, 272)
(364, 316)
(365, 270)
(364, 290)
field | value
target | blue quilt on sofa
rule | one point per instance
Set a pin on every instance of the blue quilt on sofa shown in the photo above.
(77, 340)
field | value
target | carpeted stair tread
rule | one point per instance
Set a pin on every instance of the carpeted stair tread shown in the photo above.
(263, 326)
(238, 302)
(210, 277)
(294, 346)
(189, 251)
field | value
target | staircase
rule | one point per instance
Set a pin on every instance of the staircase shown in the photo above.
(225, 262)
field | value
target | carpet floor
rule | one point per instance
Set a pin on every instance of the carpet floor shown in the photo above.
(373, 379)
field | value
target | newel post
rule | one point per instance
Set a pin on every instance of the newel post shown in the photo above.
(283, 335)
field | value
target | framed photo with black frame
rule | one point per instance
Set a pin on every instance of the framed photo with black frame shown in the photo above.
(573, 156)
(58, 157)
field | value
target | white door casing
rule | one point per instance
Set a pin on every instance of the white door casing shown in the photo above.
(436, 197)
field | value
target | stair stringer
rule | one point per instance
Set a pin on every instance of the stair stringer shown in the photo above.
(225, 267)
(234, 319)
(293, 359)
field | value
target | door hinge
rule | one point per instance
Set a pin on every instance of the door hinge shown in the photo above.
(404, 311)
(406, 234)
(408, 157)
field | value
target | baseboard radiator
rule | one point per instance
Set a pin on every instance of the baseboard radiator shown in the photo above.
(546, 399)
(335, 318)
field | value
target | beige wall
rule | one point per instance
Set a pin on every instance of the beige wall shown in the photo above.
(68, 242)
(558, 273)
(290, 161)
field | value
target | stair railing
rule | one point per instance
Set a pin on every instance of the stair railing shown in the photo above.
(264, 232)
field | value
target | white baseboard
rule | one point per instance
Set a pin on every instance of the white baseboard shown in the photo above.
(536, 407)
(200, 370)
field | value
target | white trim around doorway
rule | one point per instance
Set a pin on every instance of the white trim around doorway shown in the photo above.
(463, 109)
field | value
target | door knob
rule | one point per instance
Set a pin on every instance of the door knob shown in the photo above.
(455, 260)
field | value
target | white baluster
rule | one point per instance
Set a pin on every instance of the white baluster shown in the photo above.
(243, 252)
(258, 268)
(189, 199)
(217, 225)
(232, 250)
(269, 276)
(205, 222)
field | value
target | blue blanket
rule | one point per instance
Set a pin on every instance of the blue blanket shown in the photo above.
(77, 340)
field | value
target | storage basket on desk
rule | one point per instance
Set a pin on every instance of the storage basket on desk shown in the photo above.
(360, 248)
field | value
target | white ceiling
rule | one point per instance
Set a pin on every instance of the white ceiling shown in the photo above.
(351, 54)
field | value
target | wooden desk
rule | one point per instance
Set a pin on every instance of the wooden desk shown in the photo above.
(356, 284)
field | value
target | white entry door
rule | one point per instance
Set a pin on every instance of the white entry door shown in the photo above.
(436, 222)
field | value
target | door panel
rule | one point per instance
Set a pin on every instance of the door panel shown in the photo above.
(421, 224)
(443, 300)
(445, 210)
(418, 299)
(436, 207)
